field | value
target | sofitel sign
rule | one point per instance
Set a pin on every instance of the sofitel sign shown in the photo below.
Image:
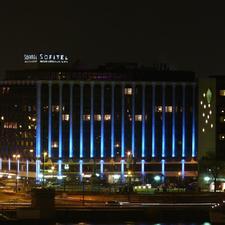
(45, 58)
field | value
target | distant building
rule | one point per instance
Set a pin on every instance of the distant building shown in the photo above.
(110, 120)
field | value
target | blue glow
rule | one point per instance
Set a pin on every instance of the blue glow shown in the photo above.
(122, 169)
(27, 168)
(133, 121)
(38, 123)
(59, 168)
(0, 164)
(18, 166)
(153, 120)
(183, 124)
(9, 164)
(50, 120)
(71, 122)
(81, 121)
(92, 125)
(101, 167)
(182, 168)
(174, 124)
(81, 167)
(60, 120)
(143, 122)
(38, 168)
(163, 168)
(122, 123)
(193, 124)
(142, 166)
(102, 121)
(163, 121)
(112, 123)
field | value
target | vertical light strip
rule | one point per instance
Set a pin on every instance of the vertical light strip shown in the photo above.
(92, 124)
(193, 123)
(163, 120)
(49, 119)
(112, 122)
(60, 120)
(59, 169)
(38, 168)
(143, 122)
(163, 169)
(81, 168)
(102, 120)
(122, 121)
(153, 121)
(0, 163)
(173, 122)
(183, 168)
(143, 167)
(133, 121)
(122, 169)
(101, 167)
(183, 122)
(38, 123)
(18, 166)
(27, 168)
(9, 164)
(81, 120)
(71, 122)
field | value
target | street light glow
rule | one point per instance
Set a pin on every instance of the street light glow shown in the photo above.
(157, 178)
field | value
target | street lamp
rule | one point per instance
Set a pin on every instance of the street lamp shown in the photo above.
(16, 157)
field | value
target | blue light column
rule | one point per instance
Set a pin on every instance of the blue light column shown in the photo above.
(9, 164)
(122, 121)
(59, 169)
(122, 169)
(81, 121)
(101, 167)
(38, 169)
(183, 122)
(153, 121)
(112, 122)
(102, 120)
(193, 123)
(142, 167)
(92, 124)
(71, 123)
(81, 168)
(60, 120)
(133, 121)
(163, 121)
(173, 122)
(49, 119)
(183, 168)
(143, 122)
(163, 169)
(38, 119)
(0, 164)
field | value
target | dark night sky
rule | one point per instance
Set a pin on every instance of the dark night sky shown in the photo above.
(187, 36)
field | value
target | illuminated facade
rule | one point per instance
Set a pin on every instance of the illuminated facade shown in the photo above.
(106, 120)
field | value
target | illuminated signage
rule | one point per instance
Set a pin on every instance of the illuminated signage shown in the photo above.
(44, 58)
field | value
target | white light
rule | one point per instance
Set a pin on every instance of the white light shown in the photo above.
(207, 179)
(210, 112)
(201, 102)
(211, 125)
(2, 117)
(206, 121)
(97, 174)
(59, 177)
(203, 114)
(204, 95)
(203, 129)
(204, 106)
(209, 105)
(157, 178)
(208, 116)
(116, 176)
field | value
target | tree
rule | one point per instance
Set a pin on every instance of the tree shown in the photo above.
(215, 167)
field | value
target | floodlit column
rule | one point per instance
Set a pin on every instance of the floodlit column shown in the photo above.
(81, 121)
(71, 123)
(143, 167)
(122, 122)
(193, 123)
(143, 122)
(163, 169)
(101, 167)
(133, 121)
(38, 169)
(122, 169)
(183, 122)
(59, 168)
(60, 120)
(92, 123)
(102, 120)
(153, 121)
(182, 168)
(163, 121)
(173, 122)
(112, 122)
(38, 119)
(49, 119)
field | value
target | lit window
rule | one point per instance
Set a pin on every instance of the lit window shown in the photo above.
(222, 92)
(138, 117)
(86, 117)
(65, 117)
(107, 117)
(10, 125)
(158, 108)
(169, 109)
(97, 117)
(128, 91)
(54, 144)
(222, 137)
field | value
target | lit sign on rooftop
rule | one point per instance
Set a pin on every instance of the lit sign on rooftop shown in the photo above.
(44, 58)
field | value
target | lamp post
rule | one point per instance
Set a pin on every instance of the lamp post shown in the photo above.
(16, 157)
(43, 177)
